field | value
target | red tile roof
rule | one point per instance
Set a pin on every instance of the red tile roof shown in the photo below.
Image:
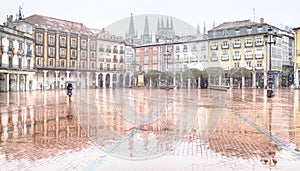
(49, 23)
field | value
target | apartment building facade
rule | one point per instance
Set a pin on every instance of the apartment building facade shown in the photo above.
(242, 44)
(16, 58)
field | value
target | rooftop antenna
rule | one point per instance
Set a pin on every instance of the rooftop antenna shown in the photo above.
(253, 14)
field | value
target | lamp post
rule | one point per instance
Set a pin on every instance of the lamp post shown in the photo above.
(270, 39)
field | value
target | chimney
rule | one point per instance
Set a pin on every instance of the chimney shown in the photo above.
(262, 20)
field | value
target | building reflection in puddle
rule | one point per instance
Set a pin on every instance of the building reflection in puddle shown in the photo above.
(43, 124)
(142, 123)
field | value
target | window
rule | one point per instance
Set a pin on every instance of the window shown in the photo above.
(184, 48)
(146, 51)
(39, 62)
(194, 47)
(154, 50)
(137, 52)
(101, 48)
(62, 63)
(39, 38)
(108, 50)
(236, 65)
(225, 45)
(93, 56)
(51, 63)
(249, 30)
(83, 55)
(92, 45)
(51, 40)
(73, 43)
(62, 52)
(214, 45)
(248, 65)
(63, 41)
(249, 54)
(237, 31)
(177, 49)
(73, 64)
(51, 52)
(39, 50)
(259, 41)
(83, 44)
(73, 53)
(259, 29)
(83, 65)
(121, 50)
(248, 42)
(225, 56)
(259, 54)
(236, 55)
(214, 57)
(237, 43)
(115, 49)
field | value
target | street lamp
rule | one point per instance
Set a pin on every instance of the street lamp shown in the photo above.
(270, 39)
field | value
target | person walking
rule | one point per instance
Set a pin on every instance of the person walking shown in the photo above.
(69, 90)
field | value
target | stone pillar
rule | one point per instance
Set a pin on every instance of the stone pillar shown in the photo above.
(87, 80)
(111, 80)
(78, 80)
(254, 80)
(44, 79)
(24, 62)
(243, 81)
(18, 82)
(7, 82)
(231, 82)
(265, 79)
(15, 58)
(97, 74)
(56, 80)
(5, 61)
(220, 80)
(104, 80)
(296, 78)
(68, 75)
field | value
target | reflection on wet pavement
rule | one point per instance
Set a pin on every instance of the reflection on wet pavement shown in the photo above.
(144, 129)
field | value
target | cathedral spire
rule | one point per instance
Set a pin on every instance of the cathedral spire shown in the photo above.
(158, 26)
(162, 23)
(204, 28)
(131, 27)
(146, 28)
(167, 22)
(171, 23)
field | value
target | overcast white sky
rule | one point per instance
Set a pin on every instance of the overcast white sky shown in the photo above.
(99, 13)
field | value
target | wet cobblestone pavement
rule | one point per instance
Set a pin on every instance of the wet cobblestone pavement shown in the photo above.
(144, 129)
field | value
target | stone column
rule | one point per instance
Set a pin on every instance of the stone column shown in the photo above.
(56, 80)
(44, 79)
(254, 80)
(97, 74)
(68, 75)
(87, 80)
(18, 82)
(5, 61)
(231, 82)
(7, 82)
(265, 79)
(243, 81)
(104, 80)
(15, 58)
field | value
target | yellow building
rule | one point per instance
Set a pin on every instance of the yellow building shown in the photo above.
(243, 45)
(297, 55)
